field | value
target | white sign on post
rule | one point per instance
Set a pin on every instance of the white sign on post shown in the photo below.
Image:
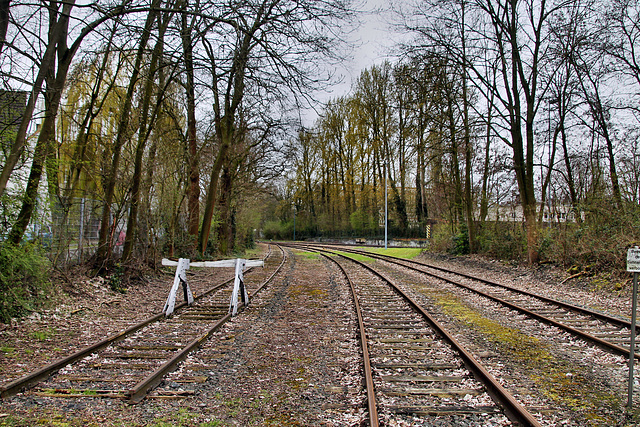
(633, 266)
(633, 260)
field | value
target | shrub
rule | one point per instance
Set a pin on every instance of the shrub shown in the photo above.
(502, 240)
(461, 241)
(600, 242)
(24, 280)
(276, 230)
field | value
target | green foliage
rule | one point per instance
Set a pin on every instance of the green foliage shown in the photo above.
(278, 230)
(116, 280)
(461, 241)
(503, 240)
(181, 246)
(24, 280)
(599, 243)
(440, 238)
(361, 222)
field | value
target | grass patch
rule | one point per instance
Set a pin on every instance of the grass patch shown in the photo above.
(184, 418)
(50, 419)
(557, 379)
(309, 255)
(9, 351)
(404, 253)
(42, 335)
(357, 257)
(253, 253)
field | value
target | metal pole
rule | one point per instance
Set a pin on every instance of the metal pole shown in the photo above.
(549, 183)
(386, 221)
(81, 232)
(632, 349)
(294, 223)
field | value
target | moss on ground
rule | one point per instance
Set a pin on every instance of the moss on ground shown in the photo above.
(308, 255)
(557, 379)
(181, 418)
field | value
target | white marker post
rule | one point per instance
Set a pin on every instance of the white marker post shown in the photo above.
(633, 266)
(238, 288)
(180, 277)
(183, 264)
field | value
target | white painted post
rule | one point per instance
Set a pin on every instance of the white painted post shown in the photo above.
(633, 266)
(180, 277)
(238, 288)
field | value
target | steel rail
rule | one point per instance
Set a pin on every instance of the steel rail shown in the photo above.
(614, 348)
(29, 380)
(35, 377)
(599, 315)
(368, 373)
(513, 409)
(140, 390)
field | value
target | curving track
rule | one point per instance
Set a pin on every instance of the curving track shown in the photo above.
(412, 366)
(609, 332)
(138, 358)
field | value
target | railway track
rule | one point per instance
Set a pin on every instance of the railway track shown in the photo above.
(609, 332)
(412, 366)
(129, 364)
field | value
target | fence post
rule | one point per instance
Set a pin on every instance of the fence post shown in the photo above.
(81, 233)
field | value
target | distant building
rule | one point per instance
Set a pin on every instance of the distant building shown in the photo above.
(12, 106)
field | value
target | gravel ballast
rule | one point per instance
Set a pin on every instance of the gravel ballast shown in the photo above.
(290, 358)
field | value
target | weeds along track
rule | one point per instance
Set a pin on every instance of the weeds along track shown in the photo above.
(413, 367)
(129, 364)
(609, 332)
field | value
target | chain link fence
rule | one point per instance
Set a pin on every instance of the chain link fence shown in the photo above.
(73, 234)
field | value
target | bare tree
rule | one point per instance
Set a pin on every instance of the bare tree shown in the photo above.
(268, 45)
(55, 74)
(54, 61)
(193, 198)
(515, 32)
(104, 243)
(145, 126)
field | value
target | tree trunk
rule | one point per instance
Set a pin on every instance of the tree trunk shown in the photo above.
(42, 149)
(225, 226)
(143, 136)
(193, 189)
(573, 195)
(225, 145)
(104, 241)
(4, 22)
(468, 147)
(55, 84)
(57, 34)
(484, 198)
(455, 163)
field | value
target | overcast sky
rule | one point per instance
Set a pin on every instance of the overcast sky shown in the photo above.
(373, 41)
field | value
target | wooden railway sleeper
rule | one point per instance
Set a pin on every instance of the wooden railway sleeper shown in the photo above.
(512, 408)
